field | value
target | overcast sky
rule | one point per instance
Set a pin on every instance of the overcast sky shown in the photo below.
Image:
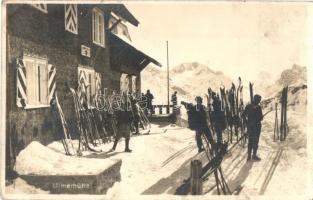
(236, 38)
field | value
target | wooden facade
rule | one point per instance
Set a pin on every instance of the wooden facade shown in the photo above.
(68, 40)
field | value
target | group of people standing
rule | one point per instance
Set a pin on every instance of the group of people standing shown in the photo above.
(198, 121)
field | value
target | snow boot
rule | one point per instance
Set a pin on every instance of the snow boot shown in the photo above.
(256, 158)
(128, 150)
(127, 146)
(200, 150)
(114, 146)
(249, 158)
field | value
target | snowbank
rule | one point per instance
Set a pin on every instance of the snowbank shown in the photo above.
(38, 159)
(21, 187)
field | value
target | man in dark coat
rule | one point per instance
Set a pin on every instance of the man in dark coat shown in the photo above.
(197, 119)
(254, 114)
(149, 98)
(124, 120)
(218, 117)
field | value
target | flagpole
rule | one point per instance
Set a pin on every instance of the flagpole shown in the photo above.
(168, 81)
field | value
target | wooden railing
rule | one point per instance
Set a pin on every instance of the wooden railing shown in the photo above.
(162, 109)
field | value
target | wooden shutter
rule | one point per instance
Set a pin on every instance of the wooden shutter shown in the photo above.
(51, 81)
(71, 18)
(32, 82)
(98, 83)
(43, 83)
(89, 87)
(20, 83)
(42, 7)
(82, 82)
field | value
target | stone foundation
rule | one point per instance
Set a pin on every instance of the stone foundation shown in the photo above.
(81, 184)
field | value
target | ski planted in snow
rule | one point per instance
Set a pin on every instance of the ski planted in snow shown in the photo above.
(283, 119)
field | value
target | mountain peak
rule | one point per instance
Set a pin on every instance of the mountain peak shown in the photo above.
(294, 75)
(191, 66)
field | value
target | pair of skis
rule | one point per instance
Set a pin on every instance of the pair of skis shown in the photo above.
(233, 106)
(215, 157)
(283, 119)
(143, 118)
(83, 124)
(239, 122)
(226, 108)
(210, 97)
(59, 116)
(280, 132)
(276, 129)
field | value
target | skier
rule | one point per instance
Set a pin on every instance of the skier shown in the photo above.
(174, 99)
(124, 119)
(254, 114)
(218, 118)
(197, 120)
(149, 98)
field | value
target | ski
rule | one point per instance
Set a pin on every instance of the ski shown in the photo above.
(251, 91)
(66, 141)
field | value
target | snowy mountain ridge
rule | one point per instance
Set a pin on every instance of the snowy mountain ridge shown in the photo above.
(296, 80)
(192, 79)
(294, 76)
(188, 79)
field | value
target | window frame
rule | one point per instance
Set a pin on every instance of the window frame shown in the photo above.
(37, 6)
(36, 61)
(67, 29)
(96, 12)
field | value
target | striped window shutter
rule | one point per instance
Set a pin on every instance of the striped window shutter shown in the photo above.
(21, 83)
(98, 83)
(51, 81)
(82, 82)
(71, 18)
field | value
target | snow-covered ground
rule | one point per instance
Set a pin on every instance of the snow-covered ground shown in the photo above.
(40, 160)
(21, 187)
(283, 170)
(160, 162)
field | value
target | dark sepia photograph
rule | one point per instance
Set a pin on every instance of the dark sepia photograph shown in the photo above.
(156, 100)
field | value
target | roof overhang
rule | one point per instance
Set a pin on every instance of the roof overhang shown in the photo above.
(126, 58)
(121, 10)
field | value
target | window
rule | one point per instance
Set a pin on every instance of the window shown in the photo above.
(98, 27)
(70, 18)
(42, 7)
(36, 81)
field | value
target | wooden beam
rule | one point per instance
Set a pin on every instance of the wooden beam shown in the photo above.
(115, 24)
